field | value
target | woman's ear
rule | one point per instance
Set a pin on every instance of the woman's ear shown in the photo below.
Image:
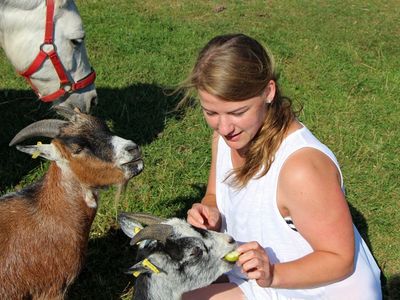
(270, 91)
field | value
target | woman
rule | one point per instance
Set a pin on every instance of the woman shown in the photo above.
(272, 186)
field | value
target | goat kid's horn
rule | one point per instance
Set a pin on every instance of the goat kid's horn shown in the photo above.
(158, 232)
(142, 218)
(47, 128)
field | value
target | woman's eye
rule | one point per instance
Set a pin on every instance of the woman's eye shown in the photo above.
(209, 113)
(238, 114)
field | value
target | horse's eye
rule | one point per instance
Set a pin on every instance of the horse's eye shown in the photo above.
(76, 42)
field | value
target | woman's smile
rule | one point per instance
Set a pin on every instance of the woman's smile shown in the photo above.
(233, 137)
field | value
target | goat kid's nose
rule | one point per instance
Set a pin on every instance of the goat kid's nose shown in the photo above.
(231, 240)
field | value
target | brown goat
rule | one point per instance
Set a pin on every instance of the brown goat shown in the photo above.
(44, 228)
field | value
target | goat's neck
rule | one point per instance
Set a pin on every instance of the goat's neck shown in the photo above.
(61, 191)
(150, 289)
(160, 288)
(170, 283)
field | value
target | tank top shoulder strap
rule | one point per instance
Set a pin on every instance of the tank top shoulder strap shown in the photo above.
(302, 138)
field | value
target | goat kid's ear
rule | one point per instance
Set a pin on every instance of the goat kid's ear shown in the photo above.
(143, 267)
(129, 227)
(47, 151)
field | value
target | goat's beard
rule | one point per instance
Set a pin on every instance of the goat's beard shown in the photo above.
(121, 188)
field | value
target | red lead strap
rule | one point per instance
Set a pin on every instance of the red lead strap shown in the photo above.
(48, 50)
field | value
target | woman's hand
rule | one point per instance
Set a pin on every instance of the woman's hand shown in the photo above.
(255, 263)
(204, 216)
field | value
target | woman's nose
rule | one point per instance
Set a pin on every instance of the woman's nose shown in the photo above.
(225, 126)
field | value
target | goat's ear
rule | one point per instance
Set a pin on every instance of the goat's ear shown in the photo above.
(47, 151)
(143, 267)
(128, 226)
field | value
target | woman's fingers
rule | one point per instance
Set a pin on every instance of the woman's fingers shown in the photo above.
(196, 216)
(254, 261)
(203, 216)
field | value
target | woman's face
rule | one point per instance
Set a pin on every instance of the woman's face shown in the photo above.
(236, 121)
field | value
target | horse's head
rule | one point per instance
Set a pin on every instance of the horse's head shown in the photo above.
(33, 48)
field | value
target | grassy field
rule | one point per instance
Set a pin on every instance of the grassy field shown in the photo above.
(339, 59)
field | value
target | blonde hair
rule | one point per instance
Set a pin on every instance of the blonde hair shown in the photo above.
(236, 67)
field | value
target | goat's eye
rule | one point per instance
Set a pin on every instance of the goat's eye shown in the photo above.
(196, 252)
(76, 149)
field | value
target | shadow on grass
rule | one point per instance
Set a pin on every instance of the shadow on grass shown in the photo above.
(136, 112)
(102, 277)
(393, 290)
(17, 109)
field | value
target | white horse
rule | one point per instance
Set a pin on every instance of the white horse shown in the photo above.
(44, 41)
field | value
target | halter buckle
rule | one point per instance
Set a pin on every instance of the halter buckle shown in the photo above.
(67, 87)
(48, 48)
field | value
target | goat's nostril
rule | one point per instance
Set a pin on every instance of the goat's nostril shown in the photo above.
(134, 149)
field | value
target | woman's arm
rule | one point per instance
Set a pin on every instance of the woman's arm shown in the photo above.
(309, 191)
(206, 214)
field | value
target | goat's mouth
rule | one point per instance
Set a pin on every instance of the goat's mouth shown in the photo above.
(133, 167)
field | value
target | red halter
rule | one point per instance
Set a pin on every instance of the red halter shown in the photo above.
(66, 86)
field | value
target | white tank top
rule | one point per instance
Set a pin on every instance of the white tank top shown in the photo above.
(251, 214)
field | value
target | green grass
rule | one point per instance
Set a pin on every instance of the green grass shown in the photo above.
(339, 59)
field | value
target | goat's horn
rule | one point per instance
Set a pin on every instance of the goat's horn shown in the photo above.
(158, 232)
(142, 218)
(47, 128)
